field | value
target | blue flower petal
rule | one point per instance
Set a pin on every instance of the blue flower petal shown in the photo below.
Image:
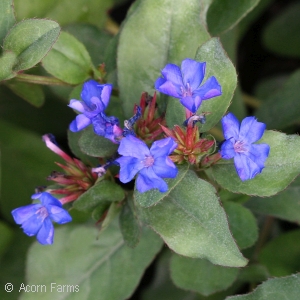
(163, 147)
(147, 180)
(192, 72)
(246, 167)
(22, 214)
(132, 146)
(46, 233)
(231, 127)
(90, 89)
(172, 73)
(227, 150)
(259, 153)
(77, 105)
(164, 167)
(211, 88)
(129, 167)
(58, 214)
(105, 94)
(48, 199)
(251, 130)
(80, 122)
(168, 88)
(189, 103)
(32, 225)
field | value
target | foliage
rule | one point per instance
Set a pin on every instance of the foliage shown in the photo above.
(150, 180)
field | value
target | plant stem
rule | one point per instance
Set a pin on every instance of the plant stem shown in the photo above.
(40, 80)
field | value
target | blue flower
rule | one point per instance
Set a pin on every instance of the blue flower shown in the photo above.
(95, 100)
(249, 158)
(36, 218)
(185, 83)
(152, 165)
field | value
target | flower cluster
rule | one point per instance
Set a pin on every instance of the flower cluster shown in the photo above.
(143, 151)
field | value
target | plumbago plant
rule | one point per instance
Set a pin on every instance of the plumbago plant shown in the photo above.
(167, 168)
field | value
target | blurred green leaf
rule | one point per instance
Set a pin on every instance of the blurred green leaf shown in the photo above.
(276, 288)
(104, 191)
(68, 60)
(225, 195)
(192, 223)
(285, 205)
(280, 170)
(242, 224)
(12, 264)
(30, 40)
(200, 275)
(103, 266)
(26, 162)
(7, 61)
(73, 141)
(129, 225)
(282, 108)
(153, 196)
(254, 273)
(95, 40)
(6, 236)
(282, 34)
(96, 145)
(218, 65)
(281, 255)
(32, 93)
(65, 11)
(7, 18)
(141, 56)
(225, 14)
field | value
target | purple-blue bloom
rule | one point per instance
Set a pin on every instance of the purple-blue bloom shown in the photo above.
(152, 165)
(249, 158)
(36, 219)
(95, 100)
(185, 83)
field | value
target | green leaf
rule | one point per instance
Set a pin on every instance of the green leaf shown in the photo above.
(129, 225)
(284, 205)
(140, 57)
(103, 266)
(200, 275)
(32, 93)
(254, 273)
(276, 288)
(7, 61)
(280, 170)
(65, 11)
(281, 35)
(153, 196)
(12, 264)
(220, 66)
(225, 14)
(95, 40)
(281, 255)
(102, 192)
(7, 17)
(192, 223)
(242, 224)
(96, 145)
(6, 236)
(26, 162)
(282, 108)
(73, 141)
(68, 60)
(31, 40)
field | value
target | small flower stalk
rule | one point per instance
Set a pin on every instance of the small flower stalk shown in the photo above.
(148, 126)
(191, 147)
(77, 177)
